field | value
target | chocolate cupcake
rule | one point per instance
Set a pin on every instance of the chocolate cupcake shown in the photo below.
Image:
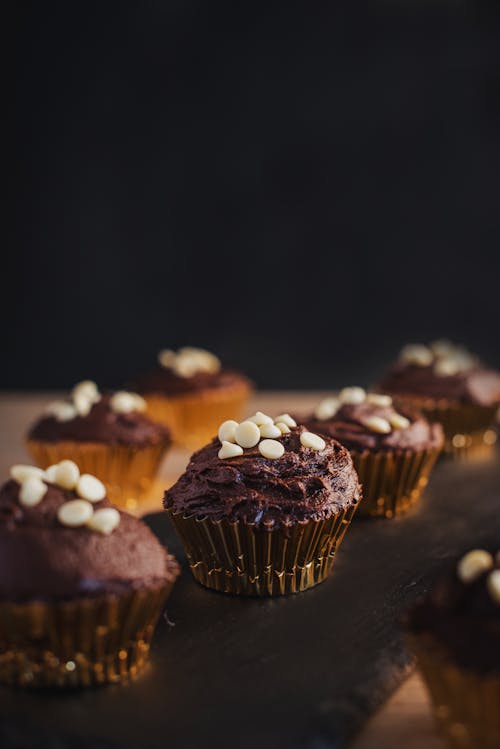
(262, 509)
(393, 451)
(81, 583)
(108, 435)
(190, 392)
(455, 632)
(451, 386)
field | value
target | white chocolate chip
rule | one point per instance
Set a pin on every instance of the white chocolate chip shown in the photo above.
(123, 402)
(247, 434)
(66, 474)
(284, 428)
(327, 408)
(398, 421)
(474, 564)
(493, 584)
(270, 430)
(84, 395)
(89, 487)
(227, 430)
(352, 396)
(62, 411)
(259, 418)
(271, 449)
(314, 441)
(229, 450)
(416, 353)
(22, 472)
(104, 520)
(50, 473)
(285, 419)
(377, 424)
(74, 513)
(32, 491)
(167, 358)
(446, 367)
(377, 399)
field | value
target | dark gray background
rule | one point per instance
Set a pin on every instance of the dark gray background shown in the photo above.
(299, 187)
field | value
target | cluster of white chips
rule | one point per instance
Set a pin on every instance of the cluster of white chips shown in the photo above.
(74, 512)
(188, 361)
(474, 563)
(356, 395)
(262, 430)
(446, 358)
(85, 394)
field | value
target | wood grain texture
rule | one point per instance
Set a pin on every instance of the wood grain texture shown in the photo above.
(405, 720)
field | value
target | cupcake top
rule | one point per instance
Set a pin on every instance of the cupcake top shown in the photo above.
(187, 370)
(268, 472)
(445, 371)
(463, 611)
(60, 537)
(89, 416)
(369, 421)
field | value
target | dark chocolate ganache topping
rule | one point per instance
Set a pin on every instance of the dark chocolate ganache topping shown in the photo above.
(303, 484)
(164, 381)
(350, 425)
(442, 371)
(102, 424)
(464, 617)
(42, 559)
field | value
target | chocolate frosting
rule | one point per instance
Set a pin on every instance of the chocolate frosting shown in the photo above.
(301, 485)
(478, 385)
(42, 559)
(102, 424)
(347, 426)
(464, 619)
(164, 381)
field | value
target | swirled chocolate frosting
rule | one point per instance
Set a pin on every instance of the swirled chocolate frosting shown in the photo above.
(478, 385)
(42, 559)
(349, 426)
(102, 424)
(303, 484)
(164, 381)
(464, 618)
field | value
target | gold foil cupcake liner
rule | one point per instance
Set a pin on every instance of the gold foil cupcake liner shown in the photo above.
(392, 480)
(466, 704)
(246, 559)
(194, 418)
(82, 642)
(468, 428)
(127, 471)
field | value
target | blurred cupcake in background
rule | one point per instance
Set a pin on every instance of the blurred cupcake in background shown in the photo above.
(393, 450)
(455, 633)
(451, 386)
(81, 584)
(192, 393)
(261, 510)
(106, 434)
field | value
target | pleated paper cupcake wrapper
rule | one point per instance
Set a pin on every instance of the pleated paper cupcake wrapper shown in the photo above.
(392, 481)
(466, 704)
(82, 642)
(245, 559)
(468, 428)
(128, 472)
(194, 419)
